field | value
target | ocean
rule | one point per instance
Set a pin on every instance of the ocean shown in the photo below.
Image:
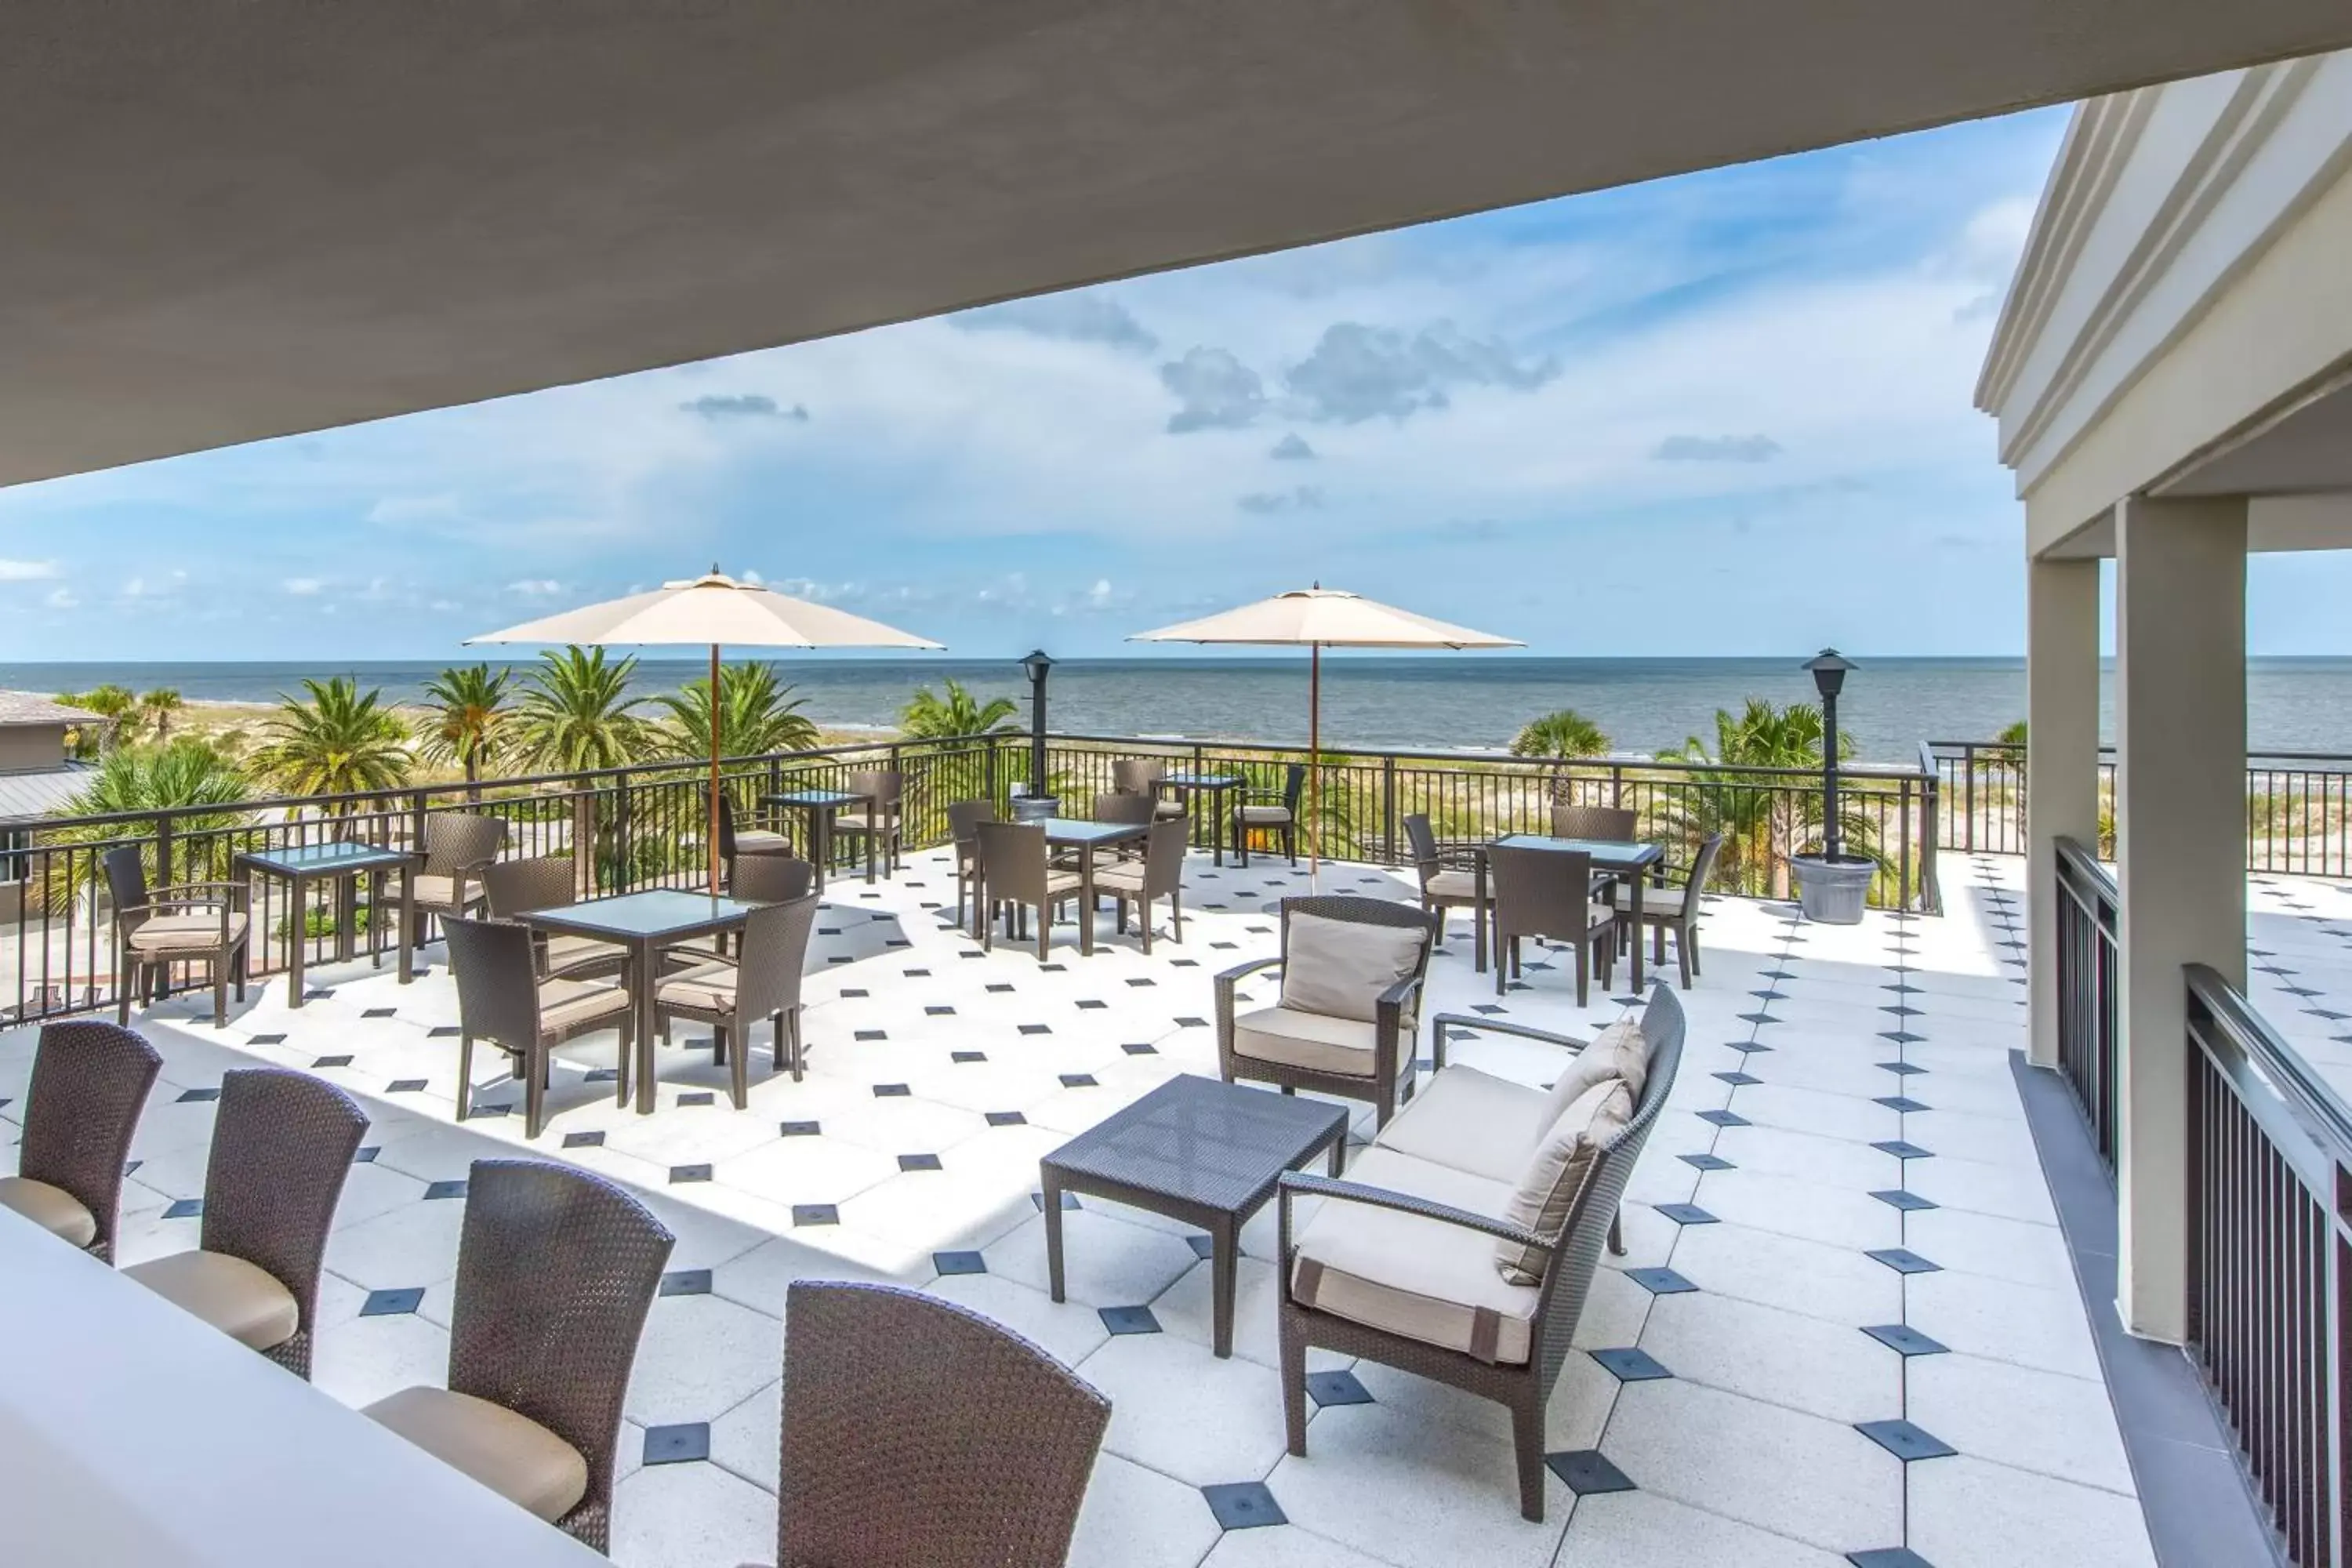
(1438, 701)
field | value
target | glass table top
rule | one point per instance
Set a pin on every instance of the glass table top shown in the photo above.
(310, 860)
(1075, 830)
(1612, 850)
(654, 914)
(1202, 781)
(819, 798)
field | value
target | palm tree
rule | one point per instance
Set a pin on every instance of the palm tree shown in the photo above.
(1762, 820)
(187, 777)
(159, 705)
(2012, 734)
(1560, 737)
(926, 717)
(470, 718)
(576, 714)
(758, 715)
(109, 703)
(338, 741)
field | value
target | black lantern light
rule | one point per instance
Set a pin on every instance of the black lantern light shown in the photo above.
(1829, 670)
(1037, 665)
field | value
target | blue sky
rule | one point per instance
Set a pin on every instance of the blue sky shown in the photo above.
(1723, 414)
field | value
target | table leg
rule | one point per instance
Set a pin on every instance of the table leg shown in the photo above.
(820, 841)
(1216, 812)
(1478, 916)
(1339, 1151)
(1635, 940)
(873, 832)
(375, 919)
(1053, 1193)
(297, 927)
(405, 931)
(1085, 903)
(346, 890)
(646, 974)
(1224, 1252)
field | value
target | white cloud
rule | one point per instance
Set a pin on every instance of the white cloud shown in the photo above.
(63, 599)
(304, 588)
(26, 570)
(535, 588)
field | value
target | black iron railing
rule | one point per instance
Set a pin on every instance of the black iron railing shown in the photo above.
(2088, 911)
(2270, 1265)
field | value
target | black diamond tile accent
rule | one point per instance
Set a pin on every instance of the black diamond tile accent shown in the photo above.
(267, 1040)
(325, 1062)
(1069, 1200)
(393, 1303)
(1660, 1281)
(678, 1444)
(1723, 1117)
(1757, 1018)
(1908, 1202)
(443, 1032)
(1905, 1340)
(1747, 1048)
(1585, 1472)
(1903, 1102)
(1006, 1119)
(502, 1108)
(1630, 1364)
(1203, 1245)
(1128, 1319)
(1738, 1079)
(379, 1013)
(405, 1086)
(797, 1128)
(999, 985)
(1337, 1388)
(1901, 1012)
(1140, 981)
(1900, 1039)
(918, 1162)
(443, 1190)
(318, 995)
(1079, 1081)
(1224, 946)
(1904, 1148)
(1488, 1008)
(1090, 1004)
(959, 1263)
(891, 1091)
(602, 1075)
(940, 1010)
(815, 1214)
(1906, 1440)
(1767, 995)
(198, 1096)
(1138, 1048)
(918, 974)
(1888, 1557)
(688, 1173)
(685, 1282)
(1191, 1023)
(1244, 1505)
(849, 992)
(1036, 1028)
(965, 1058)
(699, 1097)
(871, 1035)
(184, 1208)
(363, 1155)
(1183, 963)
(1902, 1069)
(1902, 1260)
(1706, 1162)
(1686, 1214)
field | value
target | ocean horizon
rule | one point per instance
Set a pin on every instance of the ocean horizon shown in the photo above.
(1436, 702)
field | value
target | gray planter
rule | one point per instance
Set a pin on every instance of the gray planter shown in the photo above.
(1833, 891)
(1033, 807)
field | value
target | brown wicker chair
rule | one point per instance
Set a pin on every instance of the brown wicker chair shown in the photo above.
(884, 813)
(1126, 810)
(458, 845)
(555, 1271)
(502, 999)
(964, 816)
(1158, 873)
(1609, 823)
(747, 842)
(1014, 872)
(920, 1435)
(89, 1082)
(1673, 908)
(514, 887)
(1448, 877)
(186, 922)
(1545, 1314)
(1547, 892)
(763, 980)
(282, 1146)
(1368, 1055)
(1264, 811)
(1143, 776)
(765, 879)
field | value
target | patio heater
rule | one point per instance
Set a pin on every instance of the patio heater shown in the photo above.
(1037, 665)
(1828, 678)
(1833, 885)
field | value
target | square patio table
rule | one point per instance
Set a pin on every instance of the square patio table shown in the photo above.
(645, 923)
(1620, 857)
(1074, 833)
(1202, 1152)
(1214, 786)
(820, 805)
(343, 864)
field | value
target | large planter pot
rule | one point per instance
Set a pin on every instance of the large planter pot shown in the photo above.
(1033, 807)
(1833, 891)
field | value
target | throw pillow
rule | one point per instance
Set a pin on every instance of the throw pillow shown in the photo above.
(1557, 1171)
(1339, 968)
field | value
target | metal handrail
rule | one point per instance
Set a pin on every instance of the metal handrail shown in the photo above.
(1485, 758)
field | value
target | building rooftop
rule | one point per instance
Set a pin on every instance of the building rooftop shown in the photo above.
(32, 707)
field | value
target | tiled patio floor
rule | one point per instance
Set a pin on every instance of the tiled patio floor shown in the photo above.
(1846, 1125)
(2299, 968)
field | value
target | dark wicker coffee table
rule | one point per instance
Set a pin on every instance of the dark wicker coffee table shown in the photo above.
(1198, 1150)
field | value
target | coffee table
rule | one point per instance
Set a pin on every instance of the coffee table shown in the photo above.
(1199, 1151)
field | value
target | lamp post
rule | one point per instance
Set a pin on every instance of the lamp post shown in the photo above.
(1828, 678)
(1037, 665)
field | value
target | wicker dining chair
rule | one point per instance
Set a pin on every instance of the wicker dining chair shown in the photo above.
(1674, 907)
(1448, 875)
(1158, 873)
(964, 816)
(556, 1268)
(458, 845)
(512, 888)
(918, 1434)
(1144, 776)
(186, 923)
(89, 1082)
(1127, 810)
(1264, 811)
(730, 994)
(1608, 824)
(884, 791)
(1424, 1237)
(1015, 872)
(773, 879)
(1547, 892)
(282, 1145)
(501, 998)
(745, 844)
(1344, 1022)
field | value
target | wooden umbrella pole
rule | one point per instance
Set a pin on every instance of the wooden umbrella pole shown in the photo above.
(714, 770)
(1314, 823)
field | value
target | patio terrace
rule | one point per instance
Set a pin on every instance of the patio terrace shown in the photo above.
(1735, 1439)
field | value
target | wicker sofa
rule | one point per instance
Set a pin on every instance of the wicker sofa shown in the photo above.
(1462, 1244)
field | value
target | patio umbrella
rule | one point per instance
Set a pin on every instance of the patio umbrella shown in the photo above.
(1322, 617)
(711, 610)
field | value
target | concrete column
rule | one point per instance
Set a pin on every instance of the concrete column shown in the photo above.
(2061, 762)
(2180, 829)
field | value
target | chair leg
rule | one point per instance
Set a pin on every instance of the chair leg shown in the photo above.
(1584, 971)
(1142, 918)
(126, 979)
(1690, 945)
(1526, 1438)
(465, 1074)
(220, 991)
(740, 1081)
(1658, 943)
(1290, 843)
(1293, 1384)
(1176, 914)
(719, 1045)
(1683, 953)
(1617, 1234)
(1044, 931)
(535, 1065)
(794, 1018)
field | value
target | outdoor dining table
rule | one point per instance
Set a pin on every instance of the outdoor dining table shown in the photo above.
(342, 864)
(1073, 833)
(1618, 858)
(645, 924)
(820, 805)
(1214, 786)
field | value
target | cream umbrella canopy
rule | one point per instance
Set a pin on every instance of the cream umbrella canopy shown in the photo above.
(1320, 617)
(711, 610)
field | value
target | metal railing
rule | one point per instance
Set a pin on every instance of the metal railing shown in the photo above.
(2088, 910)
(2270, 1265)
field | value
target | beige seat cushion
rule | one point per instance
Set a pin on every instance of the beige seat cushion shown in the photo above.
(191, 929)
(1167, 809)
(54, 1209)
(566, 951)
(1472, 1122)
(435, 891)
(1421, 1278)
(1265, 815)
(1316, 1041)
(1339, 968)
(243, 1301)
(512, 1455)
(1452, 884)
(1059, 883)
(709, 988)
(566, 1004)
(1126, 877)
(1557, 1170)
(1655, 900)
(759, 841)
(1617, 1051)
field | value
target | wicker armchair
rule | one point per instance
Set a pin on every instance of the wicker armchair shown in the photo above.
(89, 1082)
(502, 999)
(1267, 810)
(1144, 776)
(186, 922)
(512, 888)
(1673, 908)
(1158, 873)
(1014, 872)
(964, 818)
(1447, 872)
(1609, 823)
(1549, 892)
(746, 843)
(1395, 1269)
(555, 1271)
(1344, 1022)
(920, 1434)
(766, 878)
(281, 1147)
(763, 980)
(458, 845)
(883, 813)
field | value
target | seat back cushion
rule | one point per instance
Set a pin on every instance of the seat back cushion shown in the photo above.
(1617, 1051)
(1339, 968)
(1557, 1170)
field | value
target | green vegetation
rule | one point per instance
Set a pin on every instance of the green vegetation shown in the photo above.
(758, 715)
(186, 777)
(1560, 737)
(1762, 820)
(109, 703)
(470, 718)
(336, 740)
(576, 714)
(928, 717)
(158, 707)
(2012, 734)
